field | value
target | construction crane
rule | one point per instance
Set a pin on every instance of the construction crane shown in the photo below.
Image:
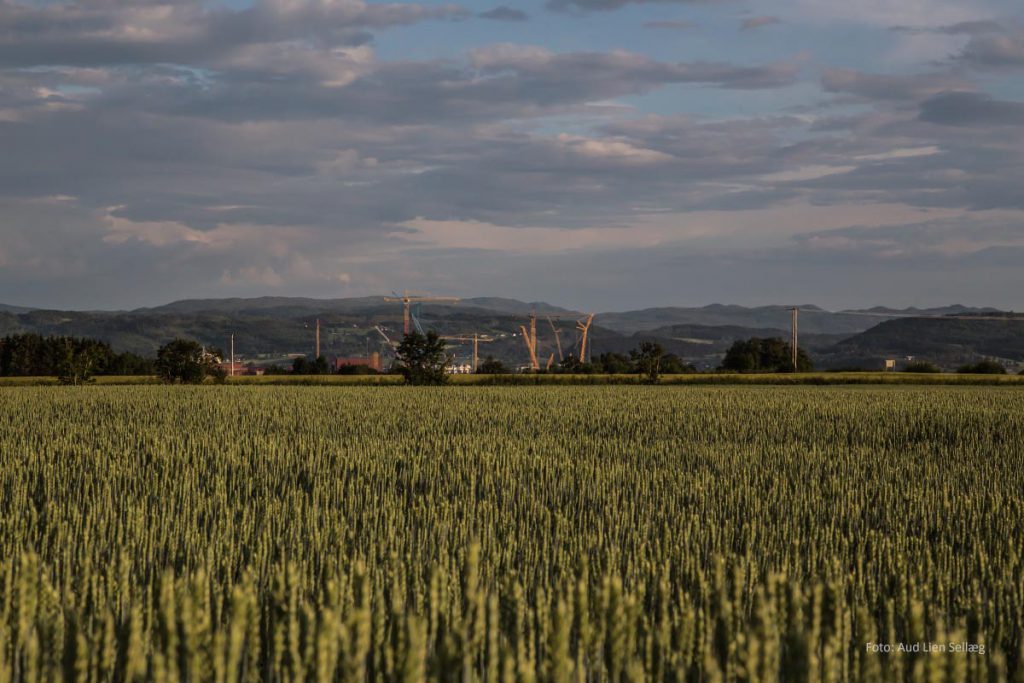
(386, 337)
(477, 340)
(530, 337)
(317, 348)
(393, 345)
(584, 328)
(407, 300)
(558, 339)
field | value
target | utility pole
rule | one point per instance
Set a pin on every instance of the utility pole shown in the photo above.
(317, 338)
(232, 354)
(476, 350)
(794, 338)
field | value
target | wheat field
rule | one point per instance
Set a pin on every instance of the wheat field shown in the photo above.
(607, 533)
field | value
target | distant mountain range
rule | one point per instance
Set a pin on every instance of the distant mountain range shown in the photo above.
(274, 327)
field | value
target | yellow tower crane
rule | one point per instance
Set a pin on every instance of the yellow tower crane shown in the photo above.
(477, 340)
(407, 300)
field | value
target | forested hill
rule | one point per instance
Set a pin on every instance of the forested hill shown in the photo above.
(277, 326)
(945, 341)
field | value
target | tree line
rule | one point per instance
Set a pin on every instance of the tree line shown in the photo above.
(420, 358)
(71, 359)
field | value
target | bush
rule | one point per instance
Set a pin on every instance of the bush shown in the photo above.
(671, 364)
(985, 367)
(764, 355)
(304, 366)
(347, 369)
(922, 366)
(492, 366)
(187, 362)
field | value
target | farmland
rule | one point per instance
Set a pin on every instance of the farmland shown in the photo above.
(552, 533)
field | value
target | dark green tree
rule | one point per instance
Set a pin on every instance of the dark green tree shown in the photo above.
(356, 370)
(421, 359)
(24, 355)
(614, 364)
(79, 362)
(671, 364)
(921, 366)
(304, 366)
(764, 355)
(572, 366)
(647, 358)
(129, 364)
(985, 367)
(492, 366)
(186, 362)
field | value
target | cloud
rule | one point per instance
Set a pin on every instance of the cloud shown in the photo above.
(504, 13)
(499, 82)
(185, 148)
(888, 87)
(615, 151)
(758, 22)
(905, 153)
(542, 68)
(103, 33)
(806, 173)
(580, 6)
(963, 108)
(946, 238)
(671, 24)
(885, 13)
(991, 44)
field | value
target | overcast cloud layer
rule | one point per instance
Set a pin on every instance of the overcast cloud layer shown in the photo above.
(599, 154)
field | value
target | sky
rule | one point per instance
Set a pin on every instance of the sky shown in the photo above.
(596, 154)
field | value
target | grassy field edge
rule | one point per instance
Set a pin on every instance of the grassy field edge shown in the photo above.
(814, 378)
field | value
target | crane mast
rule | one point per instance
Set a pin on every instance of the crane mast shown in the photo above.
(530, 338)
(584, 328)
(407, 300)
(477, 339)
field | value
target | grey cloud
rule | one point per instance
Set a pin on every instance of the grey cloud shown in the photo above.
(943, 239)
(504, 13)
(497, 83)
(962, 109)
(999, 49)
(290, 150)
(96, 32)
(887, 87)
(547, 69)
(758, 22)
(991, 44)
(671, 24)
(607, 5)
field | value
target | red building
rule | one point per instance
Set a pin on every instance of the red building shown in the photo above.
(241, 369)
(372, 362)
